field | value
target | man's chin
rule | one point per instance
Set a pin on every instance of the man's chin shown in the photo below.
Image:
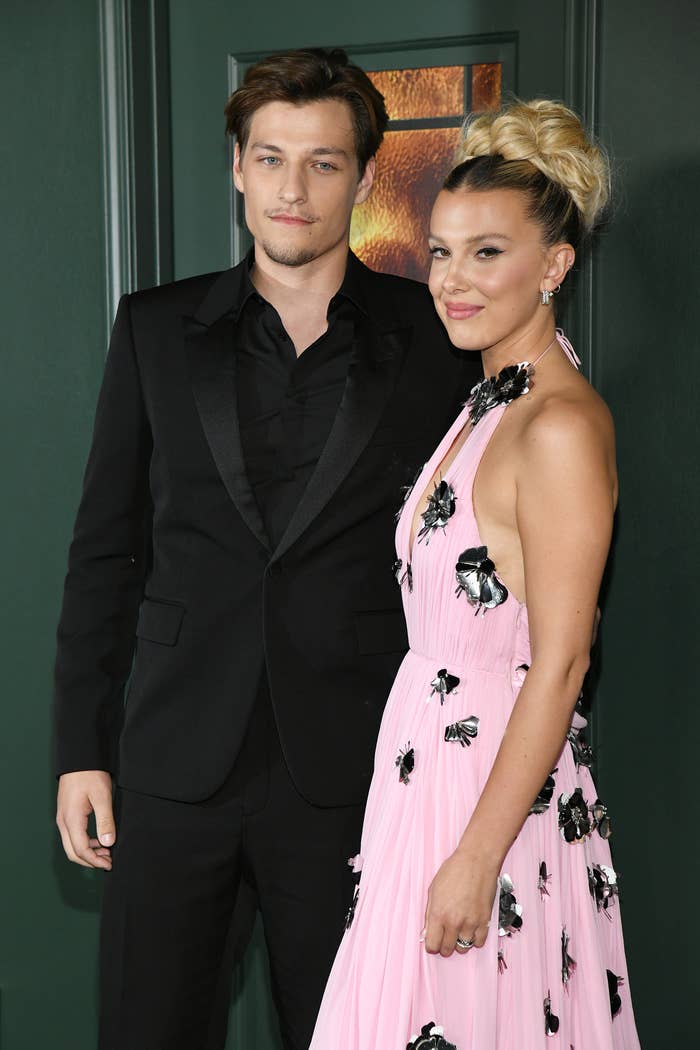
(288, 254)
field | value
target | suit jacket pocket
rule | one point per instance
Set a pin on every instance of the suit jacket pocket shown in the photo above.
(159, 621)
(381, 631)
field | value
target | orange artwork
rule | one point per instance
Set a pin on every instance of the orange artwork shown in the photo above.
(389, 231)
(410, 94)
(486, 87)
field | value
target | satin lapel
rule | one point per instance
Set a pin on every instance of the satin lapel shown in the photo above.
(372, 375)
(211, 359)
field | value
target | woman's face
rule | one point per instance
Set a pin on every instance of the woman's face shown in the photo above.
(488, 267)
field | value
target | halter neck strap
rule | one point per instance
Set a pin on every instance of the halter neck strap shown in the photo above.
(568, 348)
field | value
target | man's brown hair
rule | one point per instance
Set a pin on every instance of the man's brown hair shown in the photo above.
(311, 74)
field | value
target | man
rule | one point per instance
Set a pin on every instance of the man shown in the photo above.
(236, 532)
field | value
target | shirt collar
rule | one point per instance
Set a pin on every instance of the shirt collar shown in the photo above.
(351, 289)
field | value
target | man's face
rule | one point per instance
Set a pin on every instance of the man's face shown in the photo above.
(299, 174)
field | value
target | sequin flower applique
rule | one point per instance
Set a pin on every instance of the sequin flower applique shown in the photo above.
(476, 577)
(463, 732)
(441, 507)
(431, 1037)
(509, 384)
(509, 911)
(573, 816)
(443, 684)
(544, 797)
(405, 760)
(602, 882)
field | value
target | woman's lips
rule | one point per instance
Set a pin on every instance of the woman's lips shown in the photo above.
(462, 311)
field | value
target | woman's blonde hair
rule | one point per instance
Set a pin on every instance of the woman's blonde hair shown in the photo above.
(542, 149)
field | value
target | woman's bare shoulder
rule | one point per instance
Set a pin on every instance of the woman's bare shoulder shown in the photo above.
(571, 420)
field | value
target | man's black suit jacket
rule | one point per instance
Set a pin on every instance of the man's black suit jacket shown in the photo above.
(170, 568)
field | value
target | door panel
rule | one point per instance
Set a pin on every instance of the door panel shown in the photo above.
(211, 45)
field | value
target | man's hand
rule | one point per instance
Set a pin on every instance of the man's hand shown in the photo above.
(79, 795)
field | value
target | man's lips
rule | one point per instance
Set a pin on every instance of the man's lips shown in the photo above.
(462, 311)
(291, 220)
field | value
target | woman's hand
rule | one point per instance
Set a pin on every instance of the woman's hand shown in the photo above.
(460, 900)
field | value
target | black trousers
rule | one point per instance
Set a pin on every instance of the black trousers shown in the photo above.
(169, 899)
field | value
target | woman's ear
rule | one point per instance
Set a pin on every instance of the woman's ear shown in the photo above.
(560, 259)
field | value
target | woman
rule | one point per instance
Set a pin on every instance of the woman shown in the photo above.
(486, 915)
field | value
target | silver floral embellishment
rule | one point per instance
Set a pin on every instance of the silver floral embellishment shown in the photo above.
(476, 577)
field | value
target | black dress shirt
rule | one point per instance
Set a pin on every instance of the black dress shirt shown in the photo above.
(287, 404)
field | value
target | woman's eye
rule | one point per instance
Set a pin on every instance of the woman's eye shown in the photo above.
(438, 253)
(488, 253)
(324, 165)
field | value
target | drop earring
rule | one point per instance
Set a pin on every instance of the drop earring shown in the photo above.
(546, 294)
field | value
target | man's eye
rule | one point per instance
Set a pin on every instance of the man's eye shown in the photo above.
(438, 253)
(488, 253)
(269, 162)
(324, 165)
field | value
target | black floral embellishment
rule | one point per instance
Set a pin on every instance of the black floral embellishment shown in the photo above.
(431, 1037)
(463, 732)
(509, 911)
(573, 816)
(406, 491)
(351, 910)
(551, 1021)
(502, 964)
(443, 683)
(613, 986)
(401, 577)
(510, 383)
(542, 879)
(602, 882)
(581, 749)
(406, 761)
(441, 507)
(544, 797)
(476, 576)
(601, 820)
(568, 965)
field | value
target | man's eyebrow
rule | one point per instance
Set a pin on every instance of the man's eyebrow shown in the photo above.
(477, 237)
(318, 151)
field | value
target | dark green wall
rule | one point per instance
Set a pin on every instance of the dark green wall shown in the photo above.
(52, 341)
(646, 365)
(52, 344)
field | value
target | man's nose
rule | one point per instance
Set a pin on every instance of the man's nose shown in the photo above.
(293, 186)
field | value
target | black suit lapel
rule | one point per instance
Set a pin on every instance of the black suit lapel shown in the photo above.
(372, 375)
(211, 358)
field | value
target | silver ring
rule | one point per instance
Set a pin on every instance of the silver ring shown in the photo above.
(464, 945)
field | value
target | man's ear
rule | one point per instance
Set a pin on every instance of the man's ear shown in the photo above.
(560, 259)
(237, 173)
(364, 186)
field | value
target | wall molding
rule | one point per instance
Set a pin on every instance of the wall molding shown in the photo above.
(136, 154)
(581, 85)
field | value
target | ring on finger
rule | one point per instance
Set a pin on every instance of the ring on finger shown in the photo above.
(463, 945)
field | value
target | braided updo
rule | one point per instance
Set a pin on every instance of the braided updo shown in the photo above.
(542, 149)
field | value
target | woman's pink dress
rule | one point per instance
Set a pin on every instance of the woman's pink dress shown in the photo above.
(552, 972)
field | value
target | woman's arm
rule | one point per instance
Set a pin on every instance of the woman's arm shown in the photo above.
(565, 501)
